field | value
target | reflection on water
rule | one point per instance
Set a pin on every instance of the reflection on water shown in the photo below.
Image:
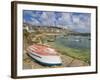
(80, 42)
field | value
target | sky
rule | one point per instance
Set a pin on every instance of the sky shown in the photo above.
(79, 22)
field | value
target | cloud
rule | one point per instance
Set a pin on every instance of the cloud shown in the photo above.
(82, 22)
(64, 20)
(76, 21)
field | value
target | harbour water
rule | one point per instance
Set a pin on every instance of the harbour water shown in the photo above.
(79, 42)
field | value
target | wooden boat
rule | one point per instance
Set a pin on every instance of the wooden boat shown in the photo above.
(44, 55)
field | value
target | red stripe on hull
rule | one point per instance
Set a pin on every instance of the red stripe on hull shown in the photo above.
(42, 50)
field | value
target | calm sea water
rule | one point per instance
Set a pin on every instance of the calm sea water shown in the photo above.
(81, 42)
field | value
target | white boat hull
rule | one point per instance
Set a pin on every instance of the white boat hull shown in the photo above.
(46, 60)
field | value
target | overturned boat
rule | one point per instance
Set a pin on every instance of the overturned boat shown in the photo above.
(44, 55)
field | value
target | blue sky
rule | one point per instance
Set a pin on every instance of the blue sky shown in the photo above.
(80, 22)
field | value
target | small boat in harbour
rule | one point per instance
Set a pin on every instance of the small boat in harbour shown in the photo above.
(44, 55)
